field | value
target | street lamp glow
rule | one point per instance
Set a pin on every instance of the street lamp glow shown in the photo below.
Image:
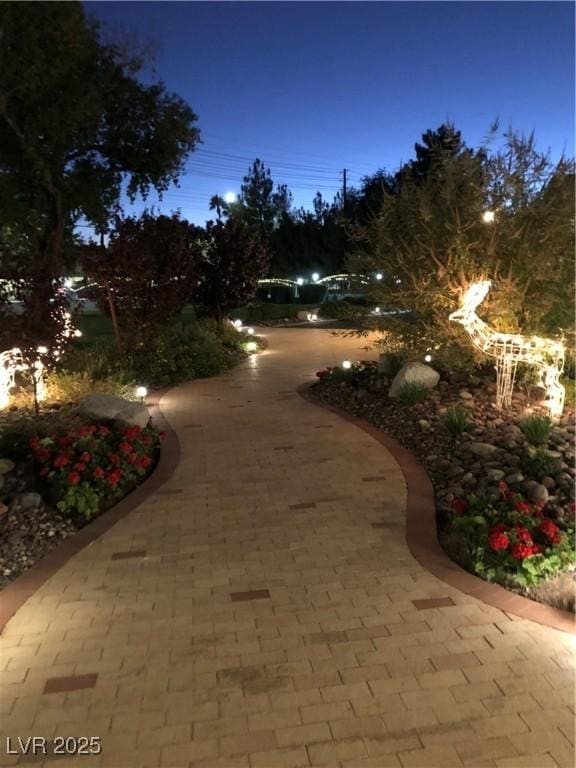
(237, 323)
(379, 275)
(299, 281)
(229, 197)
(488, 217)
(315, 277)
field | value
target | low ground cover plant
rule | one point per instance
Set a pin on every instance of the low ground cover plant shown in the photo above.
(456, 419)
(536, 429)
(86, 470)
(510, 540)
(412, 393)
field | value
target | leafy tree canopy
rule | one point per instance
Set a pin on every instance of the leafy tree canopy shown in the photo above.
(147, 272)
(75, 125)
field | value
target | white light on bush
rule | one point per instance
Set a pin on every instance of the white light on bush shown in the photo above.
(250, 331)
(379, 275)
(315, 277)
(488, 217)
(346, 364)
(141, 392)
(376, 310)
(428, 358)
(313, 317)
(251, 346)
(237, 323)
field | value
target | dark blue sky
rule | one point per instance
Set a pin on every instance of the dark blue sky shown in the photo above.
(313, 87)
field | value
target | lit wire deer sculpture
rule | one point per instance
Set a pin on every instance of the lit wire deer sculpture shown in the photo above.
(509, 349)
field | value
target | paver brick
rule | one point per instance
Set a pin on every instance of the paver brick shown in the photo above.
(337, 666)
(303, 734)
(331, 753)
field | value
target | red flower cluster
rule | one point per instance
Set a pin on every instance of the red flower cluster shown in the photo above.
(94, 460)
(550, 531)
(459, 506)
(498, 541)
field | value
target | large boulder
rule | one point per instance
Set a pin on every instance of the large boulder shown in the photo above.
(112, 408)
(414, 373)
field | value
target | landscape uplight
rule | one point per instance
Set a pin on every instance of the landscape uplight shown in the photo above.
(141, 392)
(428, 358)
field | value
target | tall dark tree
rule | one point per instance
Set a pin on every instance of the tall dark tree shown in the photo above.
(76, 125)
(233, 261)
(437, 147)
(147, 272)
(259, 206)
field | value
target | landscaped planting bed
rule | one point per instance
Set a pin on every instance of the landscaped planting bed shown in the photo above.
(62, 474)
(503, 480)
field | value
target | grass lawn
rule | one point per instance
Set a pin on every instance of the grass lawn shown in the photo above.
(97, 327)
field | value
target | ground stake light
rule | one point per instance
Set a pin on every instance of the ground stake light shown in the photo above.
(509, 349)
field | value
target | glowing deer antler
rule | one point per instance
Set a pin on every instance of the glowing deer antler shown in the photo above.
(509, 349)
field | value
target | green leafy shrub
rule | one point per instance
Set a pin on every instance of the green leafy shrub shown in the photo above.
(88, 469)
(181, 354)
(256, 312)
(412, 393)
(456, 420)
(175, 354)
(509, 540)
(352, 374)
(539, 465)
(344, 309)
(536, 429)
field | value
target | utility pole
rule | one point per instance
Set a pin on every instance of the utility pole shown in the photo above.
(344, 171)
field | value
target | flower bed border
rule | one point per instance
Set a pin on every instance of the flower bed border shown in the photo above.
(422, 538)
(15, 594)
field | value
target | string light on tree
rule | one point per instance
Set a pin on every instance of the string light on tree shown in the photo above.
(509, 349)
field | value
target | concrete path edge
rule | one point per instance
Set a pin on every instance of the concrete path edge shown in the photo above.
(15, 594)
(422, 537)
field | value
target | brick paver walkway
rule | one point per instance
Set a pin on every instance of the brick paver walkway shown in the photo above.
(249, 614)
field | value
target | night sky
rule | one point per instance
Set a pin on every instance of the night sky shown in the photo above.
(314, 87)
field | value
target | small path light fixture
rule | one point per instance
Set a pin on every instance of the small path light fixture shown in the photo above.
(346, 364)
(141, 392)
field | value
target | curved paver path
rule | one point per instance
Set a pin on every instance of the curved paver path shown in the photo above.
(249, 613)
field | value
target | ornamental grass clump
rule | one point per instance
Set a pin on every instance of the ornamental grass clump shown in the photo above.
(510, 540)
(536, 429)
(456, 420)
(412, 393)
(86, 470)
